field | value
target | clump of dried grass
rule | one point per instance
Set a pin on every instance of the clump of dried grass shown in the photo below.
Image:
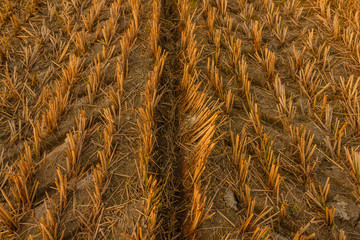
(304, 149)
(240, 157)
(75, 140)
(90, 18)
(268, 61)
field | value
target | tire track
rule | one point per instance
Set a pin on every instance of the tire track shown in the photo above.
(169, 159)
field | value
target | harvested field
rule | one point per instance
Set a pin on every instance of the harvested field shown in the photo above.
(187, 119)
